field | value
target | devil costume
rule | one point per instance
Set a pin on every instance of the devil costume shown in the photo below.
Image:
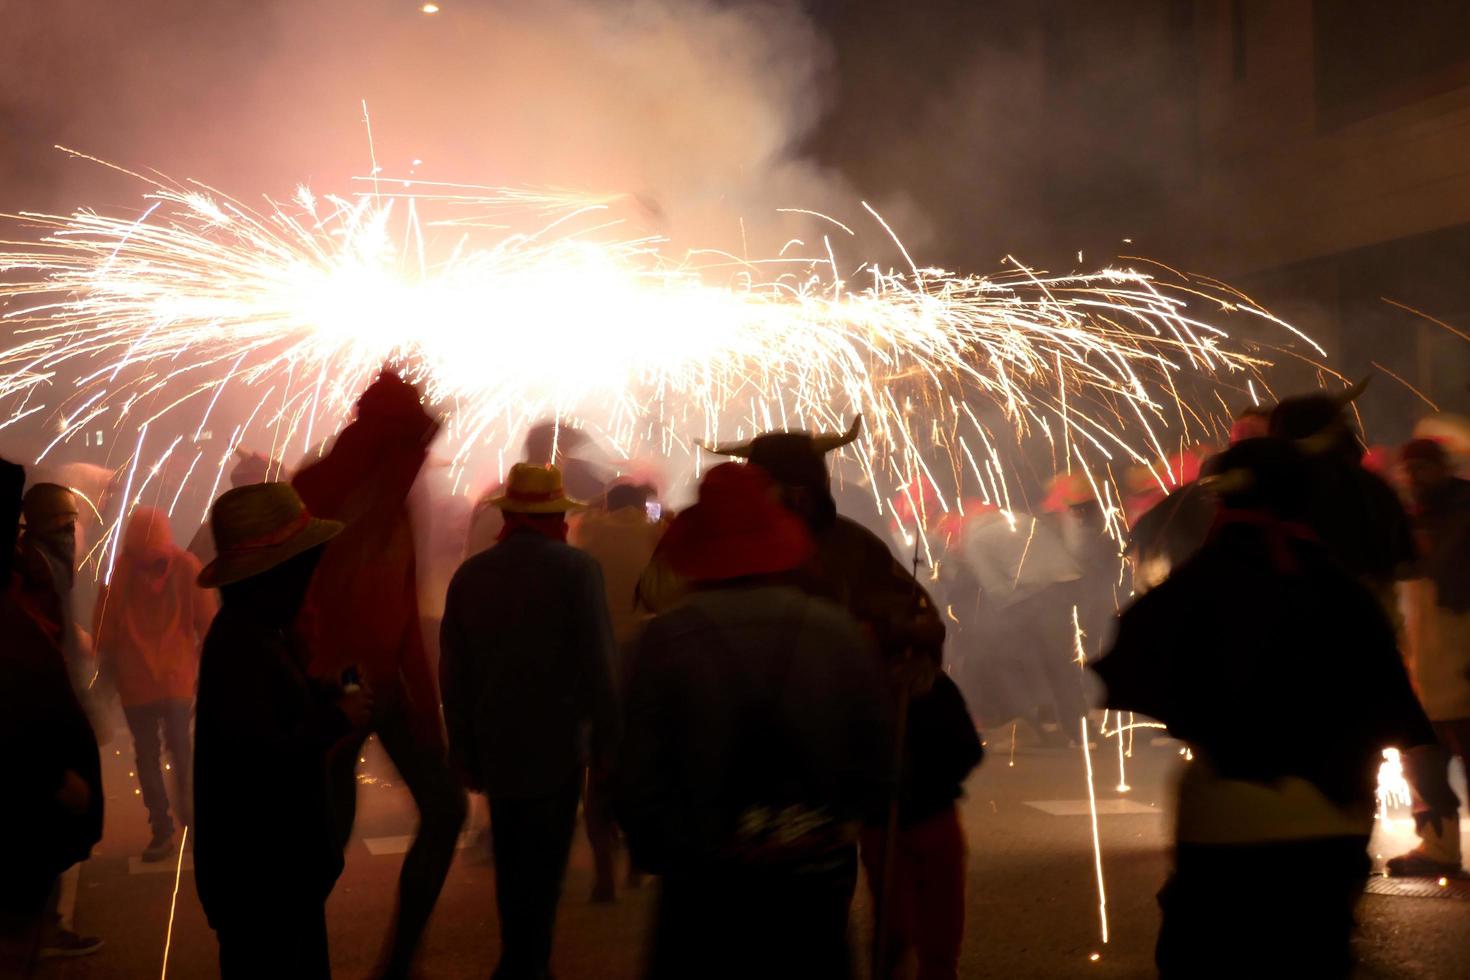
(850, 565)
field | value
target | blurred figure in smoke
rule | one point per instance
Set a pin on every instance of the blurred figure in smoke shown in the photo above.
(249, 468)
(526, 664)
(363, 614)
(1438, 653)
(622, 538)
(1277, 625)
(758, 738)
(262, 733)
(1358, 517)
(53, 805)
(548, 443)
(149, 625)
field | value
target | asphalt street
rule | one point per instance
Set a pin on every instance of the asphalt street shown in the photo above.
(1033, 907)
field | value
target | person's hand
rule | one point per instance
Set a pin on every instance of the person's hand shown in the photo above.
(357, 705)
(74, 795)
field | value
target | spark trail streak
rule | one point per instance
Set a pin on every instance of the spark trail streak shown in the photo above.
(514, 304)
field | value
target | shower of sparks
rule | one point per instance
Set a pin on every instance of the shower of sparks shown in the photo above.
(511, 305)
(173, 904)
(1102, 894)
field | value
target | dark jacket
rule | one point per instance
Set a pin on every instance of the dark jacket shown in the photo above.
(941, 749)
(261, 734)
(43, 732)
(526, 666)
(1258, 626)
(745, 701)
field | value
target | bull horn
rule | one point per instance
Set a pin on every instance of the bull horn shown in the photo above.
(1352, 392)
(827, 441)
(738, 450)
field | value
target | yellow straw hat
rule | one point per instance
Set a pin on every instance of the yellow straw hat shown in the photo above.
(256, 528)
(535, 489)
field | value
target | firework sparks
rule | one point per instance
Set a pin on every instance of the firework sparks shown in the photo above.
(126, 322)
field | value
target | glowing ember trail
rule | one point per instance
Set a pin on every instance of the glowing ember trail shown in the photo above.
(510, 305)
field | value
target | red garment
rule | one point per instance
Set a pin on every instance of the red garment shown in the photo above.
(927, 910)
(362, 608)
(151, 620)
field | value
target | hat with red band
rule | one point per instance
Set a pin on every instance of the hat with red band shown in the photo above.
(256, 528)
(534, 488)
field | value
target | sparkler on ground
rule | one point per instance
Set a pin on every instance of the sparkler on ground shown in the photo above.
(126, 322)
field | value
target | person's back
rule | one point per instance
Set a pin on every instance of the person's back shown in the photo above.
(771, 710)
(757, 737)
(1281, 670)
(520, 675)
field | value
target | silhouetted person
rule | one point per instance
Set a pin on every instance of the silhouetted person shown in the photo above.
(52, 814)
(758, 738)
(622, 538)
(1439, 654)
(1263, 623)
(923, 902)
(151, 621)
(266, 851)
(526, 670)
(364, 613)
(44, 585)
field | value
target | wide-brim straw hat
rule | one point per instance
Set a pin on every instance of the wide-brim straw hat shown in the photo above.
(737, 530)
(256, 528)
(533, 488)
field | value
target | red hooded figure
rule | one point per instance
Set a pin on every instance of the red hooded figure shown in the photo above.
(363, 603)
(363, 611)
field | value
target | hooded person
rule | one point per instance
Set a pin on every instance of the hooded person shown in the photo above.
(1358, 517)
(1277, 630)
(758, 738)
(848, 565)
(1437, 628)
(150, 622)
(53, 796)
(362, 615)
(263, 728)
(529, 701)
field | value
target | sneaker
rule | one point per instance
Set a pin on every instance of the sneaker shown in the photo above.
(64, 943)
(160, 848)
(1417, 865)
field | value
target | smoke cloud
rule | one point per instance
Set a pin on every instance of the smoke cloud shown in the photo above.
(698, 106)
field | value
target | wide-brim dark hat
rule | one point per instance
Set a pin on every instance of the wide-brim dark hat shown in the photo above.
(258, 527)
(737, 530)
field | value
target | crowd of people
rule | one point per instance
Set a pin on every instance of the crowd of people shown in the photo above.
(750, 700)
